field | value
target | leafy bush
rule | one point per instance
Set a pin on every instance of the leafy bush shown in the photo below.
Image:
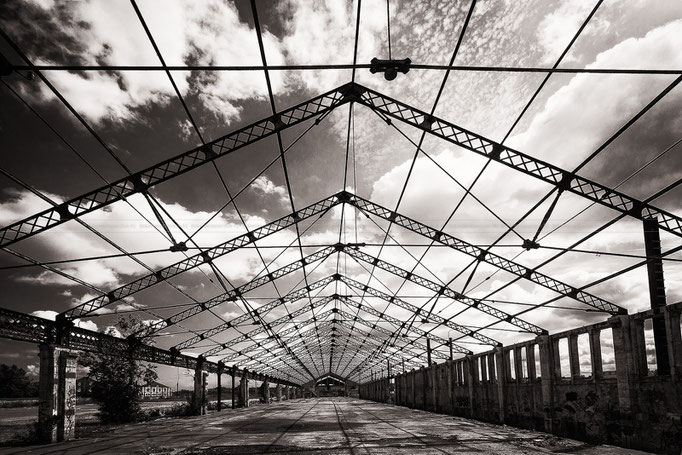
(118, 380)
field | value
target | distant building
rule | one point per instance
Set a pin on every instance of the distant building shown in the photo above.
(156, 390)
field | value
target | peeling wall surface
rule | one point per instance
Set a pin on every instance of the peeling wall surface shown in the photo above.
(609, 396)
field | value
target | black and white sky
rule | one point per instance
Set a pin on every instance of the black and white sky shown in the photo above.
(139, 116)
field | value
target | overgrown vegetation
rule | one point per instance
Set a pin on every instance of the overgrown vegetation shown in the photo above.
(117, 380)
(15, 383)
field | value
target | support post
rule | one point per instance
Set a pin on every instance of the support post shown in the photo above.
(244, 390)
(672, 320)
(654, 265)
(278, 392)
(450, 344)
(265, 391)
(234, 392)
(469, 376)
(595, 354)
(199, 395)
(57, 394)
(501, 381)
(547, 376)
(221, 368)
(574, 356)
(530, 363)
(428, 351)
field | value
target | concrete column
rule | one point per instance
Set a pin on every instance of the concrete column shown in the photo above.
(492, 373)
(547, 376)
(234, 392)
(220, 386)
(278, 392)
(574, 356)
(469, 376)
(506, 355)
(244, 390)
(414, 391)
(450, 395)
(530, 362)
(518, 365)
(595, 354)
(434, 385)
(672, 321)
(57, 394)
(265, 391)
(626, 373)
(639, 346)
(501, 382)
(556, 359)
(199, 395)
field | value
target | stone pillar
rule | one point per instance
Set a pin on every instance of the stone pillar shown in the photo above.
(626, 372)
(278, 392)
(530, 362)
(518, 365)
(451, 396)
(234, 392)
(220, 386)
(435, 386)
(469, 375)
(595, 354)
(501, 381)
(265, 391)
(639, 346)
(547, 375)
(199, 395)
(57, 394)
(574, 356)
(672, 321)
(244, 390)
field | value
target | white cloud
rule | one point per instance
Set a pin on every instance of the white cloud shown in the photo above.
(558, 27)
(267, 187)
(45, 314)
(52, 315)
(581, 114)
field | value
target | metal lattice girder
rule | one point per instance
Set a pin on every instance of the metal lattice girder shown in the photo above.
(23, 327)
(447, 292)
(290, 330)
(258, 312)
(269, 365)
(258, 347)
(235, 293)
(175, 166)
(381, 348)
(376, 342)
(207, 256)
(368, 207)
(268, 325)
(398, 323)
(500, 153)
(416, 310)
(383, 331)
(250, 351)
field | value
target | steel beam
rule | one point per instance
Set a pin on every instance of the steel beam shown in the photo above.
(370, 208)
(172, 167)
(548, 173)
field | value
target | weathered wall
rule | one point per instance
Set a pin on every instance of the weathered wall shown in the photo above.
(594, 400)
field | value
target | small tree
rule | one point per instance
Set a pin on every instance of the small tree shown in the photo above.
(15, 383)
(118, 380)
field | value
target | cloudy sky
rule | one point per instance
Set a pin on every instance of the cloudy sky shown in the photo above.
(139, 117)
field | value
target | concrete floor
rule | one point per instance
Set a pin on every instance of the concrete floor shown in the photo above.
(320, 426)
